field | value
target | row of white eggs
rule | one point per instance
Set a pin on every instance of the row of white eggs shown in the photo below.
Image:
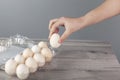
(29, 61)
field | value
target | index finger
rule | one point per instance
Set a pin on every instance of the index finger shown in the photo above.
(52, 22)
(55, 27)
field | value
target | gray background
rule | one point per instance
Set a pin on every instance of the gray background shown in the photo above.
(31, 18)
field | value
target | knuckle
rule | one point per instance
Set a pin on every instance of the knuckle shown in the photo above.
(56, 24)
(62, 18)
(50, 21)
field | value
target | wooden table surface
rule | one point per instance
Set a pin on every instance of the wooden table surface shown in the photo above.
(78, 60)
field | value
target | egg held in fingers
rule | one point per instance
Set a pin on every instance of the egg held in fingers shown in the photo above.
(54, 40)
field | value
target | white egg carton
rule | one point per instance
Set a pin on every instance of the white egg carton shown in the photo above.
(12, 46)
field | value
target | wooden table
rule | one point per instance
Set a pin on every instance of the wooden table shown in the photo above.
(78, 60)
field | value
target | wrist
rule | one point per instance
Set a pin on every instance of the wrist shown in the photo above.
(82, 22)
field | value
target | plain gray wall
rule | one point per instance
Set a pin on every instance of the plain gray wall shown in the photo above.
(31, 18)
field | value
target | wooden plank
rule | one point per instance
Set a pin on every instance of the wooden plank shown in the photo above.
(80, 61)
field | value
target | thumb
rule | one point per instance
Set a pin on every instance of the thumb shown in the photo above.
(64, 36)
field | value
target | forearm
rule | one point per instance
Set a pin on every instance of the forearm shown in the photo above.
(106, 10)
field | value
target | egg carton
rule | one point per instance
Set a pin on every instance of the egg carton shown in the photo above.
(11, 46)
(17, 40)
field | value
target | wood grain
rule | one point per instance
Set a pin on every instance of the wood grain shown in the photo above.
(78, 60)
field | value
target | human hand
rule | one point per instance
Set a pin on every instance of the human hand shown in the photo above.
(70, 24)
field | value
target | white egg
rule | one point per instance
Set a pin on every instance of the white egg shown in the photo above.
(36, 49)
(39, 59)
(47, 53)
(19, 59)
(54, 40)
(10, 67)
(31, 64)
(27, 53)
(22, 71)
(42, 44)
